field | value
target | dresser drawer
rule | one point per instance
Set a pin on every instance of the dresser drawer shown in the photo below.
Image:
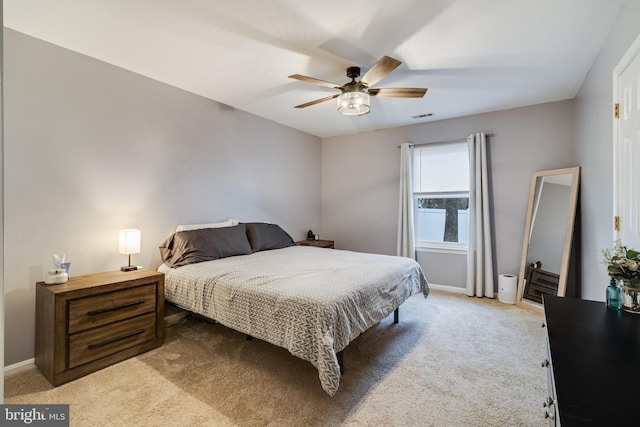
(98, 310)
(96, 343)
(551, 402)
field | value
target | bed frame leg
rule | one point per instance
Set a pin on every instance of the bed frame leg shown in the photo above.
(396, 315)
(341, 361)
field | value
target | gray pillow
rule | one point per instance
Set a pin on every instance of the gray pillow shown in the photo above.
(205, 244)
(263, 236)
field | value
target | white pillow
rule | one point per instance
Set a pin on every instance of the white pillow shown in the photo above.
(228, 223)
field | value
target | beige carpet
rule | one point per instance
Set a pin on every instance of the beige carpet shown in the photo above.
(451, 361)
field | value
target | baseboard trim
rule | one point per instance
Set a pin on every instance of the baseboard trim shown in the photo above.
(448, 288)
(25, 365)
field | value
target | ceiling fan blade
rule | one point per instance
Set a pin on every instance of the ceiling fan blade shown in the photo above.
(317, 101)
(314, 81)
(400, 92)
(380, 70)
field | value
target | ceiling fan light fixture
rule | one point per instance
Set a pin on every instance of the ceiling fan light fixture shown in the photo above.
(354, 103)
(355, 95)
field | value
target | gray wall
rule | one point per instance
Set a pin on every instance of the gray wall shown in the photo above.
(594, 150)
(91, 148)
(360, 181)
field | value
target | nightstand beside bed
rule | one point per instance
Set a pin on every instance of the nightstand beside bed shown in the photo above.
(330, 244)
(96, 320)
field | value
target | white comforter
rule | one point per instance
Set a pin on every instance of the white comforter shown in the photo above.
(311, 301)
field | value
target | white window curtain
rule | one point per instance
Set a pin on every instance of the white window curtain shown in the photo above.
(480, 280)
(406, 247)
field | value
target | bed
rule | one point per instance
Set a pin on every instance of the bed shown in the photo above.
(312, 301)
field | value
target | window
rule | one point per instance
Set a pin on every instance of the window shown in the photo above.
(441, 196)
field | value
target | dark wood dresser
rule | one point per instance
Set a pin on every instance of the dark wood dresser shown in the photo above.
(96, 320)
(593, 358)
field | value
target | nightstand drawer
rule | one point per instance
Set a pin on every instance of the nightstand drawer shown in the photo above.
(97, 343)
(110, 307)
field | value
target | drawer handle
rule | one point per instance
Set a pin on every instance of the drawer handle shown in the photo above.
(551, 415)
(109, 341)
(117, 307)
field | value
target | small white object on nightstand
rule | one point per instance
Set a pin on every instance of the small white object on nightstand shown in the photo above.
(56, 276)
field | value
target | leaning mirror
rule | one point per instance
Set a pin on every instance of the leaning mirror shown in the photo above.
(547, 249)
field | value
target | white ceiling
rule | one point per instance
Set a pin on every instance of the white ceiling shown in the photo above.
(474, 56)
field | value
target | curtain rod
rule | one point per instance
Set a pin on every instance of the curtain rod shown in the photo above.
(451, 141)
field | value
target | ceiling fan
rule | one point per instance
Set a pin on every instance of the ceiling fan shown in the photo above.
(354, 97)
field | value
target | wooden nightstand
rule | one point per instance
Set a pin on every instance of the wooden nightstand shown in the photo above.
(317, 243)
(93, 321)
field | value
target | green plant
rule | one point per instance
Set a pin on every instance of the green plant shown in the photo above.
(622, 263)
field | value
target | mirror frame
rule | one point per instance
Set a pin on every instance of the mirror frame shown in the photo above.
(566, 252)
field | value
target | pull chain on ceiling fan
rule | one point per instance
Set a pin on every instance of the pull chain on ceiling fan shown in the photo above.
(355, 95)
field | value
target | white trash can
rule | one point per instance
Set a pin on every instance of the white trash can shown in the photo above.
(507, 288)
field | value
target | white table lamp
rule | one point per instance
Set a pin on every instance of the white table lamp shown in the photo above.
(129, 244)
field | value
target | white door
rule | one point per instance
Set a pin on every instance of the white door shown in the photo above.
(627, 148)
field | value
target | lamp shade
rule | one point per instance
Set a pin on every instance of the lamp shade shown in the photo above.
(129, 241)
(353, 103)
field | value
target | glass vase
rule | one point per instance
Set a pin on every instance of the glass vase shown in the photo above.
(630, 301)
(613, 296)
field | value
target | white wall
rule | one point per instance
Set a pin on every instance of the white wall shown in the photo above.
(91, 148)
(594, 150)
(360, 180)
